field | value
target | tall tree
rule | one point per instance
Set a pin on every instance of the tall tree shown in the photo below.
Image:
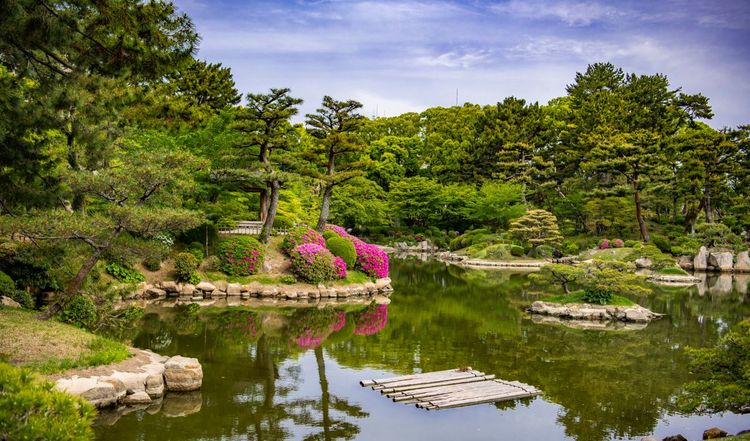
(338, 145)
(265, 125)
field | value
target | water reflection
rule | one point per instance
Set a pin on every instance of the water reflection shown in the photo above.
(268, 372)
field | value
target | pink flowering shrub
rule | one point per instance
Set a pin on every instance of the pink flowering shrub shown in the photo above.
(299, 236)
(618, 243)
(604, 244)
(371, 259)
(340, 267)
(241, 256)
(313, 263)
(371, 320)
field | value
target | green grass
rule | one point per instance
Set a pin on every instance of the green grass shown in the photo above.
(608, 254)
(353, 277)
(50, 346)
(672, 271)
(577, 297)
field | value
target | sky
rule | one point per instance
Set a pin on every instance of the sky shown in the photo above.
(405, 56)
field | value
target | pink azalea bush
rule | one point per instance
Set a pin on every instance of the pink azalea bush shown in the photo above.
(604, 244)
(371, 320)
(241, 256)
(618, 243)
(371, 259)
(299, 236)
(340, 267)
(313, 263)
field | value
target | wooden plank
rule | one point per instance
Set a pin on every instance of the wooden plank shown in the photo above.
(429, 380)
(457, 394)
(410, 377)
(456, 388)
(447, 404)
(473, 379)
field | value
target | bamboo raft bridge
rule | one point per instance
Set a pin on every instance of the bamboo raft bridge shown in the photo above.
(452, 388)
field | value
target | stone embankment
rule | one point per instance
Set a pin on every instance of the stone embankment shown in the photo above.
(427, 251)
(222, 289)
(584, 311)
(716, 261)
(139, 380)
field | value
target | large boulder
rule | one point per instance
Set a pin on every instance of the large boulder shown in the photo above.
(155, 385)
(10, 303)
(140, 397)
(183, 374)
(169, 286)
(743, 263)
(234, 289)
(700, 261)
(714, 433)
(155, 293)
(205, 286)
(643, 262)
(98, 393)
(382, 283)
(721, 261)
(686, 263)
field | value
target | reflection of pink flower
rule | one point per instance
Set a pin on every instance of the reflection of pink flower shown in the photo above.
(341, 321)
(307, 340)
(371, 320)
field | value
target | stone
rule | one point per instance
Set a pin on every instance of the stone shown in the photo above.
(205, 286)
(120, 388)
(268, 291)
(382, 283)
(650, 438)
(290, 294)
(234, 289)
(98, 393)
(7, 301)
(636, 315)
(302, 294)
(370, 287)
(743, 263)
(132, 381)
(700, 261)
(140, 397)
(721, 261)
(722, 285)
(218, 293)
(155, 293)
(183, 374)
(643, 262)
(714, 433)
(179, 405)
(685, 262)
(221, 285)
(674, 438)
(155, 385)
(187, 289)
(169, 286)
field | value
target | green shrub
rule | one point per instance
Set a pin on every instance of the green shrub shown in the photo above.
(597, 296)
(344, 248)
(197, 250)
(7, 285)
(313, 263)
(631, 243)
(658, 259)
(241, 255)
(544, 251)
(516, 250)
(685, 246)
(123, 273)
(662, 243)
(79, 311)
(212, 263)
(24, 298)
(497, 251)
(327, 234)
(716, 235)
(152, 263)
(288, 279)
(570, 248)
(185, 265)
(31, 409)
(301, 235)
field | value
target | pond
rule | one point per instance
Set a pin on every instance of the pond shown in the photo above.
(293, 373)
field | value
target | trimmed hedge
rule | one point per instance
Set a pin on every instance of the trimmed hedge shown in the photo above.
(241, 256)
(32, 410)
(299, 236)
(185, 265)
(313, 263)
(342, 248)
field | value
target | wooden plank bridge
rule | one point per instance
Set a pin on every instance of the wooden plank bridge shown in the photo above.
(450, 388)
(248, 228)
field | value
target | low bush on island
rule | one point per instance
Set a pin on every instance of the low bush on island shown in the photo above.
(314, 263)
(241, 256)
(299, 236)
(371, 259)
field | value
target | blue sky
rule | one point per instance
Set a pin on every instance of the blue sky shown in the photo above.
(398, 56)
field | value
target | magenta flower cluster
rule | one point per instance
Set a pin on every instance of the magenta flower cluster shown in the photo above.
(299, 236)
(308, 340)
(604, 244)
(371, 259)
(618, 243)
(241, 256)
(339, 323)
(371, 320)
(340, 267)
(313, 263)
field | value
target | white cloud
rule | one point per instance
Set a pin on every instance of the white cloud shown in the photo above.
(571, 13)
(454, 59)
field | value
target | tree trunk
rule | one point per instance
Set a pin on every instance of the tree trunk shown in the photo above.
(643, 229)
(73, 286)
(325, 208)
(707, 205)
(325, 398)
(263, 206)
(265, 233)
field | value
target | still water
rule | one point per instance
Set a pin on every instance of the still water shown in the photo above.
(293, 373)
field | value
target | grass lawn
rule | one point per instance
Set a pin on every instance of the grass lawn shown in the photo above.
(50, 346)
(608, 254)
(672, 271)
(577, 297)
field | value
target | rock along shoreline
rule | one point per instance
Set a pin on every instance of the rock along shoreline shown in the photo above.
(585, 311)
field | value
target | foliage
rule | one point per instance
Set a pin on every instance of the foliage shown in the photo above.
(7, 285)
(241, 256)
(598, 279)
(597, 296)
(24, 298)
(340, 265)
(371, 259)
(658, 259)
(152, 263)
(31, 409)
(516, 250)
(185, 265)
(604, 244)
(342, 248)
(299, 236)
(288, 279)
(536, 227)
(673, 271)
(80, 311)
(570, 248)
(579, 297)
(618, 243)
(313, 263)
(497, 204)
(197, 250)
(544, 251)
(722, 382)
(123, 273)
(559, 274)
(716, 235)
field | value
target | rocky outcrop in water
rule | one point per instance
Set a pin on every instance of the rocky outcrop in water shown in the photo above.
(585, 311)
(716, 261)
